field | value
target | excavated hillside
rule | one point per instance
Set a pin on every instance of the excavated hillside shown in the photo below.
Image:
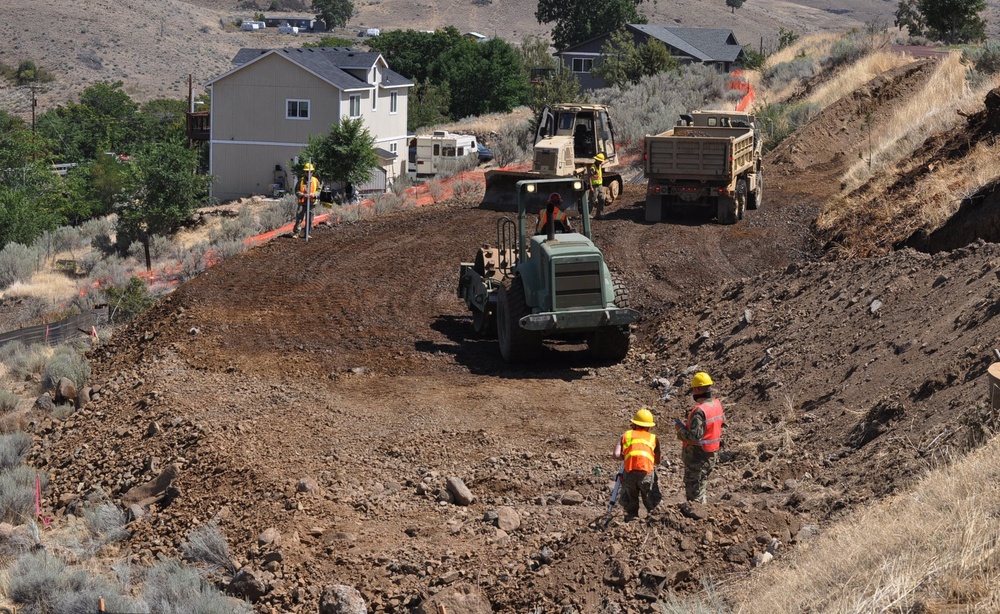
(328, 389)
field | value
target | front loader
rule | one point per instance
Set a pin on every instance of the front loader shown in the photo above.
(567, 138)
(553, 285)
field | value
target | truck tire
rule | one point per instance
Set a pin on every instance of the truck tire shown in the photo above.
(516, 343)
(612, 342)
(727, 210)
(614, 190)
(756, 197)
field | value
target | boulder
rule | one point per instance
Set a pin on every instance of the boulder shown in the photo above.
(461, 597)
(571, 497)
(460, 492)
(154, 490)
(248, 584)
(65, 391)
(45, 403)
(308, 485)
(507, 519)
(342, 599)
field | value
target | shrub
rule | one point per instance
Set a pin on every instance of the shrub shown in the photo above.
(274, 216)
(24, 361)
(779, 120)
(229, 247)
(106, 522)
(43, 583)
(797, 69)
(172, 588)
(68, 239)
(17, 263)
(513, 143)
(240, 227)
(207, 544)
(985, 59)
(192, 262)
(13, 448)
(159, 247)
(68, 363)
(468, 191)
(17, 494)
(129, 300)
(8, 401)
(111, 271)
(384, 203)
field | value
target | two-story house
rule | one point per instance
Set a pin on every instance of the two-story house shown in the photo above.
(265, 109)
(714, 47)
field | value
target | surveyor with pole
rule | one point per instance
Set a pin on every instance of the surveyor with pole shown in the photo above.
(308, 192)
(639, 449)
(701, 437)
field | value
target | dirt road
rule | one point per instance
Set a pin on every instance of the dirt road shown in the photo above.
(328, 389)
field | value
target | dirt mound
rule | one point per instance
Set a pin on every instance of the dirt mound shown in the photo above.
(331, 390)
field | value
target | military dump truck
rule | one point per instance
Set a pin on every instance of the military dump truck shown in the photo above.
(567, 138)
(711, 159)
(546, 286)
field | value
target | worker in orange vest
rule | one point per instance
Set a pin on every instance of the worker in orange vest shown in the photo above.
(561, 220)
(639, 448)
(701, 436)
(308, 192)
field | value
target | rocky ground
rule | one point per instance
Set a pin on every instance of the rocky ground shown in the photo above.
(329, 407)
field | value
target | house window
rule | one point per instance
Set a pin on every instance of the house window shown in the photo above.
(355, 105)
(374, 98)
(582, 64)
(393, 147)
(296, 109)
(394, 102)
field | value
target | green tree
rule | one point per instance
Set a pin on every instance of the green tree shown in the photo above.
(23, 216)
(734, 4)
(411, 53)
(553, 85)
(786, 38)
(163, 119)
(427, 105)
(162, 191)
(329, 41)
(625, 63)
(951, 21)
(334, 13)
(580, 20)
(105, 119)
(95, 187)
(345, 155)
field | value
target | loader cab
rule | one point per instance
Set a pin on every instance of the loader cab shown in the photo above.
(589, 126)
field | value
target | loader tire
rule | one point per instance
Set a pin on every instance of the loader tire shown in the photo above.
(741, 199)
(484, 323)
(612, 342)
(516, 344)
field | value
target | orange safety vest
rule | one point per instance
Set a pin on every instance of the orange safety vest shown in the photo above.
(639, 451)
(713, 425)
(557, 213)
(312, 191)
(596, 175)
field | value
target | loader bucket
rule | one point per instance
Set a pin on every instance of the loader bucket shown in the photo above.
(501, 194)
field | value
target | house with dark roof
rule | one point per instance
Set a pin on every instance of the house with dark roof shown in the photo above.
(714, 47)
(267, 106)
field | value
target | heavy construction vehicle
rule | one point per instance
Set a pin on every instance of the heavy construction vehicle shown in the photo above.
(567, 137)
(550, 285)
(710, 159)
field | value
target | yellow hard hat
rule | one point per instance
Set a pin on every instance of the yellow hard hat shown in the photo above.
(701, 379)
(308, 167)
(599, 158)
(643, 417)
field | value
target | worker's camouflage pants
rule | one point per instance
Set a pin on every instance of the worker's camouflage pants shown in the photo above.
(698, 465)
(599, 194)
(300, 216)
(636, 485)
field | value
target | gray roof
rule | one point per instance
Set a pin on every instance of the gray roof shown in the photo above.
(703, 43)
(385, 154)
(330, 64)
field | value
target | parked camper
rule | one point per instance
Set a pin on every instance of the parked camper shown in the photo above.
(287, 29)
(253, 26)
(441, 152)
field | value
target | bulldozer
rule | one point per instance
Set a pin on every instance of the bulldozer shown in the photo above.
(550, 285)
(567, 137)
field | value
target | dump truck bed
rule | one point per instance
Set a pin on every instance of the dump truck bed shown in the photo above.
(699, 153)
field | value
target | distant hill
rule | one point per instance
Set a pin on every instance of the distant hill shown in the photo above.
(154, 46)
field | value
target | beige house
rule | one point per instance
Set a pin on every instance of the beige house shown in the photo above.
(265, 109)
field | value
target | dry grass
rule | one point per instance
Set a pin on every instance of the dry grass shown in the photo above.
(934, 549)
(935, 110)
(814, 45)
(52, 286)
(856, 75)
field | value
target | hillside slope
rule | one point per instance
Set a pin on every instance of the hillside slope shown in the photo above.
(154, 46)
(334, 398)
